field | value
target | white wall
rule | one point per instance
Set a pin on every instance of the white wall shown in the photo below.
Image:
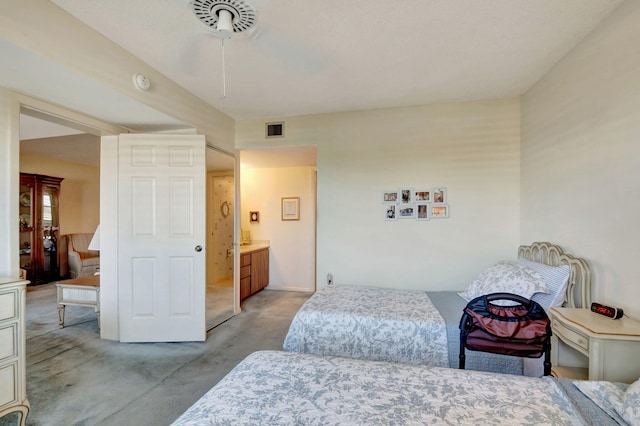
(581, 157)
(292, 243)
(471, 148)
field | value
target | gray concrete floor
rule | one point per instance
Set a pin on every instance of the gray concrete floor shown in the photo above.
(75, 378)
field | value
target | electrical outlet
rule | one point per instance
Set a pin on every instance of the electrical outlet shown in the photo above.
(329, 278)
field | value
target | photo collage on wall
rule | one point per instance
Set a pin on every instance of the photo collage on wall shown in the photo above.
(418, 204)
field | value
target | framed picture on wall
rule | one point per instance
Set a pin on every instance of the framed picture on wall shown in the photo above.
(391, 212)
(439, 211)
(290, 208)
(423, 211)
(406, 211)
(406, 196)
(422, 195)
(390, 197)
(440, 195)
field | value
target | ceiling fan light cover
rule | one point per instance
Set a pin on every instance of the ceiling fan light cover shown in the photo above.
(225, 24)
(227, 17)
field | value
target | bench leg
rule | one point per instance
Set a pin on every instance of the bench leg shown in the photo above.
(61, 315)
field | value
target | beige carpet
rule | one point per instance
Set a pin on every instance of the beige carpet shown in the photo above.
(75, 378)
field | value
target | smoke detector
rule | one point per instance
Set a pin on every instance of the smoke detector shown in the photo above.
(226, 17)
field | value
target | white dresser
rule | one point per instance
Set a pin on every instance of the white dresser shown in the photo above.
(13, 383)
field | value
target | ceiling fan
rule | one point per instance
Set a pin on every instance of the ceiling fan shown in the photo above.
(226, 17)
(231, 18)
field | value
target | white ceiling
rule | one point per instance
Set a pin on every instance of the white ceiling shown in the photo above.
(310, 56)
(35, 128)
(76, 148)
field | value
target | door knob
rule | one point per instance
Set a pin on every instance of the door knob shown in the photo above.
(198, 248)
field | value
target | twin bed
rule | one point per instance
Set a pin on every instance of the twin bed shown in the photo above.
(287, 388)
(418, 327)
(336, 369)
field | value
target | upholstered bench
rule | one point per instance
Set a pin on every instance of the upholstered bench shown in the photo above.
(84, 291)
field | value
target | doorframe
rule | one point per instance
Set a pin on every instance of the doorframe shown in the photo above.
(23, 104)
(60, 115)
(108, 143)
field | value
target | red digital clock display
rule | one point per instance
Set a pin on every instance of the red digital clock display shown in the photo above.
(607, 311)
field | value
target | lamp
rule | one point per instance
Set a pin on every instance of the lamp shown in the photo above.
(95, 241)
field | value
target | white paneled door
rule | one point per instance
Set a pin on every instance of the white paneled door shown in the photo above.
(161, 237)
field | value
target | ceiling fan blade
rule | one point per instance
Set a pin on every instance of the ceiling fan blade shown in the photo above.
(288, 51)
(255, 34)
(193, 53)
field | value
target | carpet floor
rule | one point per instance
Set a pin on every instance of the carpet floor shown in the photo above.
(75, 378)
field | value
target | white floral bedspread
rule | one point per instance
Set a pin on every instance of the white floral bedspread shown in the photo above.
(285, 388)
(370, 323)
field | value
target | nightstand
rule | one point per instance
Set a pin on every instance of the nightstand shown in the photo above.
(586, 345)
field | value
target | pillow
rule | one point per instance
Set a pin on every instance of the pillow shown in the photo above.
(630, 410)
(556, 278)
(506, 277)
(610, 397)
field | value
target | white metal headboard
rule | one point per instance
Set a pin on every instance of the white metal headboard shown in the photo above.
(578, 294)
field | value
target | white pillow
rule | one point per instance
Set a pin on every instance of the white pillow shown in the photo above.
(630, 410)
(506, 277)
(556, 278)
(616, 399)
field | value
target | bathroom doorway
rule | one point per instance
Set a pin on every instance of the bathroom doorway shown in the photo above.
(220, 237)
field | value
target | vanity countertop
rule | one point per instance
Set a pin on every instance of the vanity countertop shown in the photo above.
(253, 247)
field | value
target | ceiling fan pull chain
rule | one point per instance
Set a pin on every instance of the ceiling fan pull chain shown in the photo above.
(224, 75)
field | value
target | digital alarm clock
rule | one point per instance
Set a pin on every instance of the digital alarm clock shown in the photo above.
(607, 311)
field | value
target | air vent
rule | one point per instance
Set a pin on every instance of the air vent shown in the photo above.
(274, 130)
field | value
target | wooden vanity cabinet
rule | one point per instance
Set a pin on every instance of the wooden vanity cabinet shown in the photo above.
(254, 272)
(245, 275)
(259, 270)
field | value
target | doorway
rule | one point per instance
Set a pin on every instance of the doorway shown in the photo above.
(65, 164)
(55, 146)
(221, 206)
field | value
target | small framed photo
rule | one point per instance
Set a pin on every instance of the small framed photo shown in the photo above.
(439, 195)
(290, 208)
(422, 195)
(439, 211)
(406, 211)
(406, 196)
(390, 197)
(391, 212)
(423, 211)
(254, 217)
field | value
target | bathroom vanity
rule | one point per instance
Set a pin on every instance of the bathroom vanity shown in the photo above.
(254, 269)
